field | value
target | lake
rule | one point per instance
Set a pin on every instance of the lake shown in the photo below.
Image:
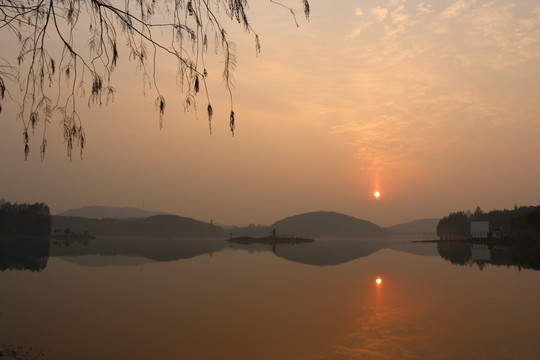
(208, 299)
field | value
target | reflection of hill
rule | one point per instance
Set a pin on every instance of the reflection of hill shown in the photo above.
(155, 226)
(324, 252)
(327, 224)
(24, 253)
(154, 249)
(421, 249)
(526, 256)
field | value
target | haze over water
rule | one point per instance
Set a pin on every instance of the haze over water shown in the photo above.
(244, 302)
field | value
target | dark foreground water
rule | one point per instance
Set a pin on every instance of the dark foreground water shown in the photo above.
(203, 299)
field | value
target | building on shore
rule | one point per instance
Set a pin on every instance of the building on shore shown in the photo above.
(479, 229)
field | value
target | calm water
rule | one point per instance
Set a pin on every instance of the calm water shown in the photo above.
(205, 299)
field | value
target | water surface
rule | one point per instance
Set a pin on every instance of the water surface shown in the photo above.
(205, 299)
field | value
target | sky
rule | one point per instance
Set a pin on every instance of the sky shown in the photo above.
(434, 104)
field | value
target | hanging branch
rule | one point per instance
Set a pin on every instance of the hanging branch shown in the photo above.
(178, 29)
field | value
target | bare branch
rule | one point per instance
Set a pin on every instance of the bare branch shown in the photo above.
(180, 29)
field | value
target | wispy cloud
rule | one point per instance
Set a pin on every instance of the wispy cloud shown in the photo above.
(380, 13)
(399, 16)
(424, 8)
(456, 8)
(355, 32)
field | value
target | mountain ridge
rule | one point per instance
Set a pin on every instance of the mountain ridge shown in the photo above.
(428, 225)
(314, 223)
(111, 212)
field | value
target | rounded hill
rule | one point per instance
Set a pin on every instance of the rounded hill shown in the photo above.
(327, 224)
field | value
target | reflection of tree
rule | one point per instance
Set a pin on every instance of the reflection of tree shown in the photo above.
(456, 253)
(10, 352)
(521, 255)
(28, 253)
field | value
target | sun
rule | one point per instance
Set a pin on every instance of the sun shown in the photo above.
(377, 194)
(378, 280)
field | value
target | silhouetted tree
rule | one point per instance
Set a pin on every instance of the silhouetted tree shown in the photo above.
(77, 42)
(24, 219)
(533, 220)
(478, 213)
(454, 226)
(520, 223)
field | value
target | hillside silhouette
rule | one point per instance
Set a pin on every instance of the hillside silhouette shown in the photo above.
(103, 212)
(327, 224)
(420, 226)
(172, 226)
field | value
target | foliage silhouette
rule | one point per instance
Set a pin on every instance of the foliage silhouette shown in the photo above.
(180, 29)
(24, 219)
(519, 224)
(24, 253)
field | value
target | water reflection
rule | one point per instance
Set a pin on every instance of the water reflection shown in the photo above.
(522, 256)
(324, 252)
(160, 249)
(243, 306)
(24, 253)
(32, 253)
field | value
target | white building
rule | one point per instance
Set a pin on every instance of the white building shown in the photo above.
(479, 229)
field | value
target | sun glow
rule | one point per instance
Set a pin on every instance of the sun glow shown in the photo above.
(377, 194)
(378, 280)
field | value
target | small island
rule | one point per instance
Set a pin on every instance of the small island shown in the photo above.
(71, 236)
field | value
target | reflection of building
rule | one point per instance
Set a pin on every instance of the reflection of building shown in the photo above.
(480, 252)
(479, 229)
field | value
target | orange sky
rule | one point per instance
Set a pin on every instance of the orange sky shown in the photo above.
(435, 104)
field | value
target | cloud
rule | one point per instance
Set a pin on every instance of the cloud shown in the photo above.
(359, 12)
(380, 13)
(423, 8)
(456, 8)
(358, 29)
(398, 16)
(354, 33)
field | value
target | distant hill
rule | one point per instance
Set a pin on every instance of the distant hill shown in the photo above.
(327, 224)
(104, 212)
(171, 226)
(422, 226)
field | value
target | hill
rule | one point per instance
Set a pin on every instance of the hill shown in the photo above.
(422, 226)
(171, 226)
(327, 224)
(103, 212)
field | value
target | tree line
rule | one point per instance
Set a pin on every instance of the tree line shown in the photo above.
(520, 223)
(24, 219)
